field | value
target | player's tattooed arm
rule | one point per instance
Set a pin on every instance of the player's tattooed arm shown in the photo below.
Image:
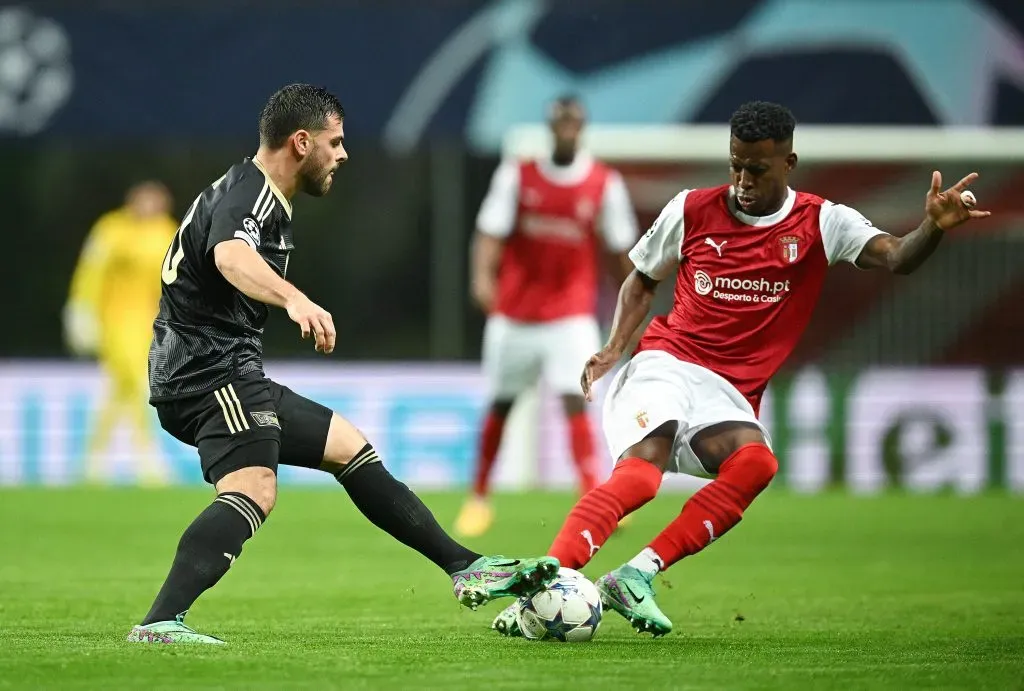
(247, 271)
(944, 210)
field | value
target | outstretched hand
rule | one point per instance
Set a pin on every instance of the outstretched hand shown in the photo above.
(946, 209)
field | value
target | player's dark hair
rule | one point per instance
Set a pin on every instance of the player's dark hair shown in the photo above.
(564, 101)
(760, 120)
(568, 100)
(296, 107)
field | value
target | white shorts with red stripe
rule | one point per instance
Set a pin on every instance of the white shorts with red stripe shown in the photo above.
(654, 388)
(516, 354)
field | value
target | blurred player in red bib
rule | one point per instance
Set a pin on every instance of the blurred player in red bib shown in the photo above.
(748, 260)
(542, 232)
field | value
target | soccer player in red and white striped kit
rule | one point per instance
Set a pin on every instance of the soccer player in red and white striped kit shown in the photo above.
(542, 233)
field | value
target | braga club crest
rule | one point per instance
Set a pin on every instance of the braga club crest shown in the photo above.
(790, 245)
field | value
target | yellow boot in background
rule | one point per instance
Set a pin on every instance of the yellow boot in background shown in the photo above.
(475, 518)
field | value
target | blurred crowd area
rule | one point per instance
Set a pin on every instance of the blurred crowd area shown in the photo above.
(95, 99)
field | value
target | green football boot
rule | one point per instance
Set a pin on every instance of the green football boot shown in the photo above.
(628, 591)
(170, 632)
(488, 578)
(506, 623)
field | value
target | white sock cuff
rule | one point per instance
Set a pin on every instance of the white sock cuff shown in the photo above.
(647, 561)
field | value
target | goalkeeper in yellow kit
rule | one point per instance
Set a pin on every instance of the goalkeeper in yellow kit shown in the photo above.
(115, 294)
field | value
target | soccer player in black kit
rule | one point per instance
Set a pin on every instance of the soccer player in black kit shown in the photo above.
(225, 267)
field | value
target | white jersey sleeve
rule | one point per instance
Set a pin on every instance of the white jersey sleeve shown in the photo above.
(844, 232)
(659, 251)
(497, 214)
(618, 222)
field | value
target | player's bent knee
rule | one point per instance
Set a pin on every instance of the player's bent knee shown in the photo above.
(366, 456)
(762, 463)
(634, 482)
(751, 468)
(647, 481)
(344, 442)
(257, 483)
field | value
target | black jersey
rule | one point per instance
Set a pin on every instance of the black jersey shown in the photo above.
(208, 332)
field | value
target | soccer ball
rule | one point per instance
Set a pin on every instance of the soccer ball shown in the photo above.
(569, 610)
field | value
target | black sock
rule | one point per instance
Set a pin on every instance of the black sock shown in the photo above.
(392, 507)
(205, 553)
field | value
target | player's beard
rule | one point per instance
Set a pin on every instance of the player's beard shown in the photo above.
(315, 176)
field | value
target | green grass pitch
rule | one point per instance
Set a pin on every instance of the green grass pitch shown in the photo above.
(818, 592)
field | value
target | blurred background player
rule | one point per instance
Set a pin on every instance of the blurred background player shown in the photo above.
(749, 259)
(542, 232)
(109, 314)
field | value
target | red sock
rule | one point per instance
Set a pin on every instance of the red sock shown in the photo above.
(717, 507)
(581, 438)
(633, 483)
(490, 440)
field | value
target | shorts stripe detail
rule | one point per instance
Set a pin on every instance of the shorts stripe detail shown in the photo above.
(231, 409)
(366, 456)
(238, 405)
(243, 508)
(224, 408)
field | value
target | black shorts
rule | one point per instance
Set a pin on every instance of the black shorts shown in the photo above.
(252, 408)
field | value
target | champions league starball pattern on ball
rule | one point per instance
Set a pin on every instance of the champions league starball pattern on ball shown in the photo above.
(569, 610)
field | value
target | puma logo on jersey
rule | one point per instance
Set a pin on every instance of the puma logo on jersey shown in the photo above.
(590, 541)
(718, 247)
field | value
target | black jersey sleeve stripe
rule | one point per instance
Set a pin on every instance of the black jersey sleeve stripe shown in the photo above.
(244, 197)
(266, 212)
(261, 198)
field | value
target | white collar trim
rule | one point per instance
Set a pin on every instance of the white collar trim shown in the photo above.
(572, 174)
(761, 221)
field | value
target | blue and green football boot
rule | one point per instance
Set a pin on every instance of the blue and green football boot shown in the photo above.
(628, 591)
(489, 578)
(170, 632)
